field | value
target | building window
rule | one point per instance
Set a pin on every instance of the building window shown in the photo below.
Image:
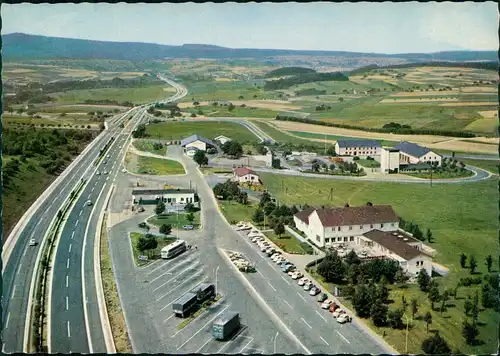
(327, 239)
(371, 226)
(392, 224)
(317, 238)
(361, 227)
(333, 228)
(381, 225)
(338, 229)
(351, 238)
(350, 227)
(345, 238)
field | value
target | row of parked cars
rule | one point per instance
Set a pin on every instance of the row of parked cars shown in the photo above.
(287, 267)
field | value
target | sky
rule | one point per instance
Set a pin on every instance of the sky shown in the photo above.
(387, 27)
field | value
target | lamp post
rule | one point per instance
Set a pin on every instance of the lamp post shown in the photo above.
(275, 338)
(407, 322)
(216, 270)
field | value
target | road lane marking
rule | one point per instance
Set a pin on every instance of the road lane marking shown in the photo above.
(310, 327)
(24, 253)
(93, 188)
(81, 211)
(67, 281)
(322, 317)
(259, 272)
(187, 280)
(202, 346)
(69, 330)
(285, 280)
(304, 299)
(69, 250)
(14, 291)
(107, 178)
(76, 224)
(67, 263)
(72, 234)
(271, 286)
(88, 196)
(203, 327)
(172, 302)
(342, 336)
(270, 264)
(287, 304)
(7, 322)
(324, 340)
(67, 304)
(177, 275)
(19, 268)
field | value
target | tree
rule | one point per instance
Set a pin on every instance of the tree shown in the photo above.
(166, 229)
(315, 167)
(472, 264)
(189, 207)
(382, 293)
(400, 277)
(378, 313)
(160, 208)
(395, 318)
(444, 300)
(429, 235)
(279, 229)
(264, 198)
(269, 207)
(428, 319)
(258, 215)
(463, 260)
(190, 217)
(361, 300)
(433, 294)
(332, 268)
(423, 280)
(468, 306)
(489, 263)
(475, 307)
(200, 158)
(414, 307)
(142, 244)
(352, 258)
(151, 242)
(341, 99)
(470, 332)
(435, 345)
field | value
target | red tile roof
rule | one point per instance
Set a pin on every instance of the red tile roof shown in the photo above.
(360, 215)
(243, 171)
(394, 244)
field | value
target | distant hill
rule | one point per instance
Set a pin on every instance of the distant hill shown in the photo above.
(281, 72)
(304, 78)
(19, 46)
(488, 65)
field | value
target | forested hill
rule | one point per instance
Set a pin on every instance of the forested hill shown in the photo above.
(284, 83)
(281, 72)
(19, 46)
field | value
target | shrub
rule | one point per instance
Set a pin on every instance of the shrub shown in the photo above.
(356, 158)
(307, 248)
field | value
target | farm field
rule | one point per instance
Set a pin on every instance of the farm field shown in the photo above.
(147, 146)
(283, 136)
(337, 138)
(491, 166)
(223, 111)
(276, 105)
(454, 213)
(75, 121)
(158, 166)
(209, 130)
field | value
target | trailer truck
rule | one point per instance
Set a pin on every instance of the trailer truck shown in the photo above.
(226, 325)
(184, 305)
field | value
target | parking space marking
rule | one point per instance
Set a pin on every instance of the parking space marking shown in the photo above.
(343, 337)
(170, 317)
(270, 264)
(288, 304)
(206, 342)
(187, 280)
(244, 347)
(285, 280)
(166, 306)
(171, 269)
(271, 286)
(259, 272)
(190, 267)
(310, 327)
(324, 340)
(203, 327)
(67, 304)
(81, 211)
(321, 316)
(304, 299)
(254, 351)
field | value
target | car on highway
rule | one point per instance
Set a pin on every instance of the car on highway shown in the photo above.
(97, 173)
(326, 303)
(308, 286)
(104, 162)
(188, 227)
(32, 242)
(322, 298)
(344, 318)
(337, 313)
(88, 203)
(303, 281)
(124, 170)
(314, 291)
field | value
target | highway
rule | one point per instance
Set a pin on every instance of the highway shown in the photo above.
(18, 269)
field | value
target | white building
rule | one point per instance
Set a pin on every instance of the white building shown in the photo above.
(358, 147)
(389, 160)
(197, 142)
(245, 175)
(410, 153)
(169, 196)
(222, 139)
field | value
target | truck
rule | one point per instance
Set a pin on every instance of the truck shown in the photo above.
(226, 325)
(184, 305)
(204, 292)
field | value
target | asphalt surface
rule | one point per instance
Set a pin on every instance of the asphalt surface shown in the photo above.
(18, 270)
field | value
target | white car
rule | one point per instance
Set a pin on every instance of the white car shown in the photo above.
(303, 281)
(105, 172)
(297, 275)
(326, 304)
(32, 242)
(314, 291)
(124, 170)
(280, 260)
(88, 203)
(344, 318)
(258, 238)
(254, 233)
(275, 255)
(337, 313)
(97, 173)
(308, 286)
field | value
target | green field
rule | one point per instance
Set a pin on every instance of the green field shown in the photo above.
(158, 166)
(238, 111)
(176, 220)
(235, 212)
(282, 137)
(140, 95)
(337, 138)
(147, 146)
(287, 242)
(209, 130)
(463, 218)
(368, 163)
(492, 166)
(153, 254)
(212, 90)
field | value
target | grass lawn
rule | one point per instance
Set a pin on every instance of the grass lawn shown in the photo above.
(282, 137)
(147, 146)
(213, 170)
(235, 212)
(176, 220)
(489, 165)
(152, 255)
(368, 163)
(210, 130)
(337, 138)
(238, 111)
(158, 166)
(287, 243)
(463, 218)
(441, 175)
(116, 318)
(140, 95)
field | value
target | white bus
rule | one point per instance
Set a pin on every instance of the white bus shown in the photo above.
(173, 249)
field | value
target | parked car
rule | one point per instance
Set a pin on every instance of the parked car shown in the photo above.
(286, 267)
(338, 312)
(32, 242)
(188, 227)
(97, 173)
(292, 271)
(333, 307)
(258, 238)
(326, 304)
(124, 170)
(322, 298)
(270, 251)
(275, 255)
(308, 286)
(297, 275)
(314, 291)
(303, 281)
(344, 318)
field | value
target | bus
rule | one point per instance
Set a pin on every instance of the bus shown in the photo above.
(173, 249)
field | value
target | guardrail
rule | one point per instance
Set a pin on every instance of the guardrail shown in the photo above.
(36, 324)
(103, 151)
